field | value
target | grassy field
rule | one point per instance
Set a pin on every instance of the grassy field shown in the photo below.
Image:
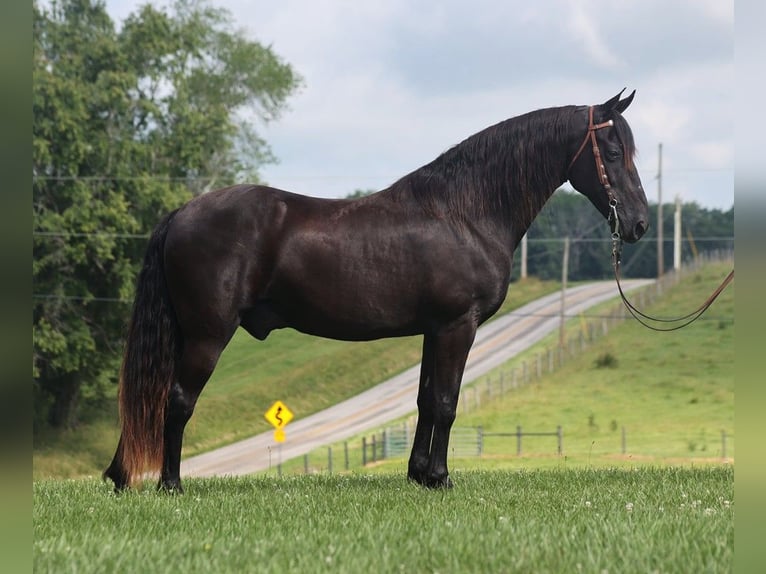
(308, 373)
(641, 520)
(672, 393)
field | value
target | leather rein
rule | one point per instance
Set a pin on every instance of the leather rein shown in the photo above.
(614, 223)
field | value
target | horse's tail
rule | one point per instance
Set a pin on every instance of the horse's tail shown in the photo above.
(149, 363)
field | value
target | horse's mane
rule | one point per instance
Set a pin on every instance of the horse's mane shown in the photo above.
(506, 171)
(625, 135)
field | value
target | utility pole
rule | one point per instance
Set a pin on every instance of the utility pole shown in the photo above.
(660, 262)
(564, 275)
(677, 236)
(524, 256)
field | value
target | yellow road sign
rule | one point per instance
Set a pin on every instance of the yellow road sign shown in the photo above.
(278, 415)
(279, 435)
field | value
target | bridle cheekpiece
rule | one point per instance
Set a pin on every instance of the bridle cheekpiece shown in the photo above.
(602, 176)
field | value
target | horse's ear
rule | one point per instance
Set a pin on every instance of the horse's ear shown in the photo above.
(615, 104)
(611, 103)
(622, 105)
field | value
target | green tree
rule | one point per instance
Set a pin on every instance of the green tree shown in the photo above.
(568, 214)
(357, 193)
(127, 125)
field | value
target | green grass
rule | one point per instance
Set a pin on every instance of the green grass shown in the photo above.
(307, 373)
(639, 520)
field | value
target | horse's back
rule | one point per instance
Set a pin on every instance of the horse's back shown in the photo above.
(345, 269)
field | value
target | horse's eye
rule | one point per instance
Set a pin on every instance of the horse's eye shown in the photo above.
(613, 154)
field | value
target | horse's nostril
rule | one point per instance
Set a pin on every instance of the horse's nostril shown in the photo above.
(641, 227)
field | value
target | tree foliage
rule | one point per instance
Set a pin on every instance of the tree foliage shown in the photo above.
(128, 123)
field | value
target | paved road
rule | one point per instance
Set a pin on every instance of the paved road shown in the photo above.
(495, 343)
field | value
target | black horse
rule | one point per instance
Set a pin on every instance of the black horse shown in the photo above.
(431, 254)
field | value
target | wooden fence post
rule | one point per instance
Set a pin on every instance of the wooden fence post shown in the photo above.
(518, 440)
(364, 451)
(305, 463)
(550, 361)
(479, 440)
(329, 459)
(624, 441)
(560, 437)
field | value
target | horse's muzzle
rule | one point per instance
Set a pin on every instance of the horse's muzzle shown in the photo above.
(632, 234)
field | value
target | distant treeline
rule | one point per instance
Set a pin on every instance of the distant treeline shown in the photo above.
(570, 214)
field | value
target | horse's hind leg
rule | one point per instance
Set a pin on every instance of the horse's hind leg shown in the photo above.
(115, 471)
(196, 364)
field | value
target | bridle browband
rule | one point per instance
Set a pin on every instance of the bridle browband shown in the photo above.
(614, 222)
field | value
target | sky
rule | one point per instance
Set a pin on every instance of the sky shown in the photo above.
(391, 84)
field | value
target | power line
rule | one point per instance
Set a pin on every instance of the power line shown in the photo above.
(93, 234)
(79, 298)
(302, 177)
(510, 313)
(102, 178)
(531, 240)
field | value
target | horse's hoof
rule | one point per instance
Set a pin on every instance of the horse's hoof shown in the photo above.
(440, 482)
(417, 476)
(430, 481)
(170, 487)
(117, 478)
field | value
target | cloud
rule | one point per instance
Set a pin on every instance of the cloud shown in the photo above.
(584, 28)
(390, 85)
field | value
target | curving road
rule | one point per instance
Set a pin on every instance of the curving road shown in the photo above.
(495, 343)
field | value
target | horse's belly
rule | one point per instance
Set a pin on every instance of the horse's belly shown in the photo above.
(351, 319)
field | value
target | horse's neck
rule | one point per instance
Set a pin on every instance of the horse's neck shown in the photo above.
(529, 213)
(530, 173)
(525, 204)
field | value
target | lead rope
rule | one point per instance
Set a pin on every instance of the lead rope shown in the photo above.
(617, 251)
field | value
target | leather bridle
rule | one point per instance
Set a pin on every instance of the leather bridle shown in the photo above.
(614, 222)
(591, 135)
(603, 178)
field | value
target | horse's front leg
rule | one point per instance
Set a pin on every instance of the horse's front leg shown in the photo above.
(451, 346)
(421, 444)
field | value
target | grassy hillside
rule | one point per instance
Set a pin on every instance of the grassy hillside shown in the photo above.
(308, 373)
(672, 393)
